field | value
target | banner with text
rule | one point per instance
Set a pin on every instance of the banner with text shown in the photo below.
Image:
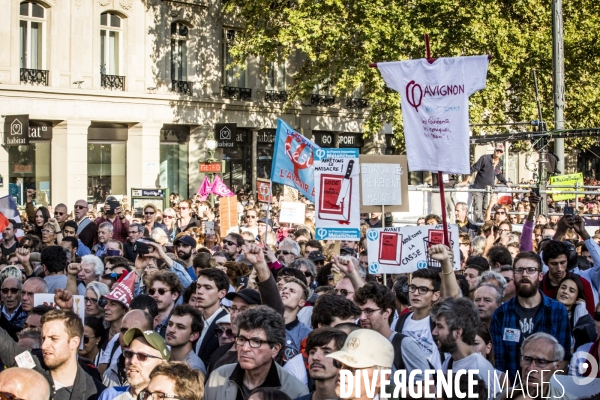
(383, 182)
(294, 213)
(565, 180)
(337, 200)
(398, 250)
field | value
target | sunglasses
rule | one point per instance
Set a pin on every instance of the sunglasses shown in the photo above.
(149, 212)
(86, 339)
(58, 213)
(343, 292)
(79, 207)
(11, 290)
(160, 291)
(284, 252)
(140, 356)
(9, 396)
(251, 216)
(229, 242)
(307, 274)
(219, 332)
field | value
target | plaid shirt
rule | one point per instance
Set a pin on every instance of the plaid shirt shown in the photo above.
(120, 229)
(552, 318)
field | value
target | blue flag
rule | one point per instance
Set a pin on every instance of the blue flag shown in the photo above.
(293, 160)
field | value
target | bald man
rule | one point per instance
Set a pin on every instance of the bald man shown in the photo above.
(24, 383)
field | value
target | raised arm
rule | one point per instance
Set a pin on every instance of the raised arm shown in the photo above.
(526, 243)
(443, 254)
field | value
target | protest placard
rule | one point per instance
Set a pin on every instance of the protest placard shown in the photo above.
(294, 213)
(337, 200)
(228, 214)
(263, 190)
(397, 250)
(47, 299)
(383, 182)
(565, 180)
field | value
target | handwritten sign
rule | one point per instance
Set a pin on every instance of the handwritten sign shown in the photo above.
(383, 182)
(397, 250)
(294, 213)
(565, 180)
(229, 215)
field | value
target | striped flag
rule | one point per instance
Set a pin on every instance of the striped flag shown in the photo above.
(8, 210)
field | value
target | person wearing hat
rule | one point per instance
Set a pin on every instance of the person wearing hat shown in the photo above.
(488, 168)
(317, 258)
(185, 248)
(367, 350)
(144, 351)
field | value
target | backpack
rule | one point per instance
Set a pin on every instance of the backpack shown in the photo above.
(398, 360)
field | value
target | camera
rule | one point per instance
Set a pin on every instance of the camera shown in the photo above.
(141, 248)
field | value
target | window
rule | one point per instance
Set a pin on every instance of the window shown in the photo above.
(29, 168)
(276, 76)
(31, 31)
(106, 169)
(110, 37)
(236, 76)
(179, 37)
(174, 167)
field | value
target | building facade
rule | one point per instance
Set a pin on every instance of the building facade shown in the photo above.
(123, 94)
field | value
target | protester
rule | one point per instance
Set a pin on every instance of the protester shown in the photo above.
(24, 383)
(183, 329)
(174, 380)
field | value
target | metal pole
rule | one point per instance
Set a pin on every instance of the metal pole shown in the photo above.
(558, 77)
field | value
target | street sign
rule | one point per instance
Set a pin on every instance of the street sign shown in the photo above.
(214, 167)
(263, 191)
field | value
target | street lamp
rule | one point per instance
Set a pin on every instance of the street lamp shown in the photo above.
(211, 146)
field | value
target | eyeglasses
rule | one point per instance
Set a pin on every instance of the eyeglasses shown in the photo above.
(47, 231)
(368, 311)
(255, 343)
(160, 291)
(251, 216)
(58, 213)
(146, 395)
(529, 271)
(149, 212)
(24, 246)
(502, 230)
(79, 207)
(220, 332)
(228, 242)
(9, 396)
(140, 356)
(421, 289)
(501, 212)
(330, 277)
(86, 339)
(168, 216)
(249, 241)
(596, 316)
(284, 252)
(343, 292)
(540, 362)
(90, 300)
(28, 294)
(12, 290)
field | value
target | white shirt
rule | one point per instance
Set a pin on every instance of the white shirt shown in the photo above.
(207, 323)
(435, 108)
(105, 357)
(476, 361)
(421, 332)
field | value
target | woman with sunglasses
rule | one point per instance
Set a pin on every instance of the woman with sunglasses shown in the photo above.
(186, 219)
(94, 292)
(94, 336)
(169, 217)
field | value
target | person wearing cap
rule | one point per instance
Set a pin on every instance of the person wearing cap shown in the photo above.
(224, 330)
(183, 329)
(488, 169)
(260, 337)
(317, 258)
(264, 227)
(59, 355)
(185, 248)
(143, 352)
(367, 350)
(116, 218)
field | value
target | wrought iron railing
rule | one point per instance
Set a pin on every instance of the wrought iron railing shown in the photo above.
(356, 102)
(112, 82)
(322, 100)
(237, 93)
(184, 87)
(276, 95)
(34, 76)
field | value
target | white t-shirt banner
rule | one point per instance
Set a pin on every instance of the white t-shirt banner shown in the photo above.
(435, 108)
(337, 201)
(398, 250)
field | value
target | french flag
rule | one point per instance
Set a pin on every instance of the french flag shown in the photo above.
(8, 210)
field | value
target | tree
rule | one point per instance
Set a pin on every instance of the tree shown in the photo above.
(335, 40)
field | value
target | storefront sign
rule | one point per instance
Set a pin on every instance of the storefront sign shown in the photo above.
(40, 130)
(353, 140)
(16, 130)
(23, 168)
(215, 167)
(226, 135)
(266, 136)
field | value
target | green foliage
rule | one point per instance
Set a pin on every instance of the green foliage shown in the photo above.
(337, 39)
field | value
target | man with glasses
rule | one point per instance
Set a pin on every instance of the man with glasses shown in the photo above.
(136, 231)
(12, 312)
(165, 287)
(500, 215)
(61, 214)
(183, 329)
(9, 243)
(541, 357)
(261, 334)
(288, 251)
(317, 258)
(529, 312)
(114, 215)
(232, 245)
(70, 230)
(86, 228)
(144, 351)
(174, 381)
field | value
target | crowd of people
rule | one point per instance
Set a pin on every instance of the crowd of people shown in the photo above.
(175, 310)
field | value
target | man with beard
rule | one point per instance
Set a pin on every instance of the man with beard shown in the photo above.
(529, 312)
(183, 329)
(185, 247)
(61, 332)
(456, 322)
(9, 243)
(144, 351)
(232, 245)
(321, 368)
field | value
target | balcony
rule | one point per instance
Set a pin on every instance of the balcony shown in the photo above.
(183, 87)
(237, 93)
(322, 100)
(280, 96)
(34, 76)
(357, 103)
(112, 82)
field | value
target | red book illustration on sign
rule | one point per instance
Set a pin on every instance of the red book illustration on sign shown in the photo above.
(390, 248)
(335, 199)
(436, 236)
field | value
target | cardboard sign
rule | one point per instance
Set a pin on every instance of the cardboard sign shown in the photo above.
(337, 207)
(565, 180)
(47, 299)
(228, 214)
(263, 190)
(383, 182)
(399, 250)
(294, 213)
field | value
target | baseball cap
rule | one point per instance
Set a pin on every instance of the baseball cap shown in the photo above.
(264, 221)
(154, 340)
(187, 240)
(226, 319)
(250, 296)
(347, 251)
(500, 147)
(365, 348)
(316, 256)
